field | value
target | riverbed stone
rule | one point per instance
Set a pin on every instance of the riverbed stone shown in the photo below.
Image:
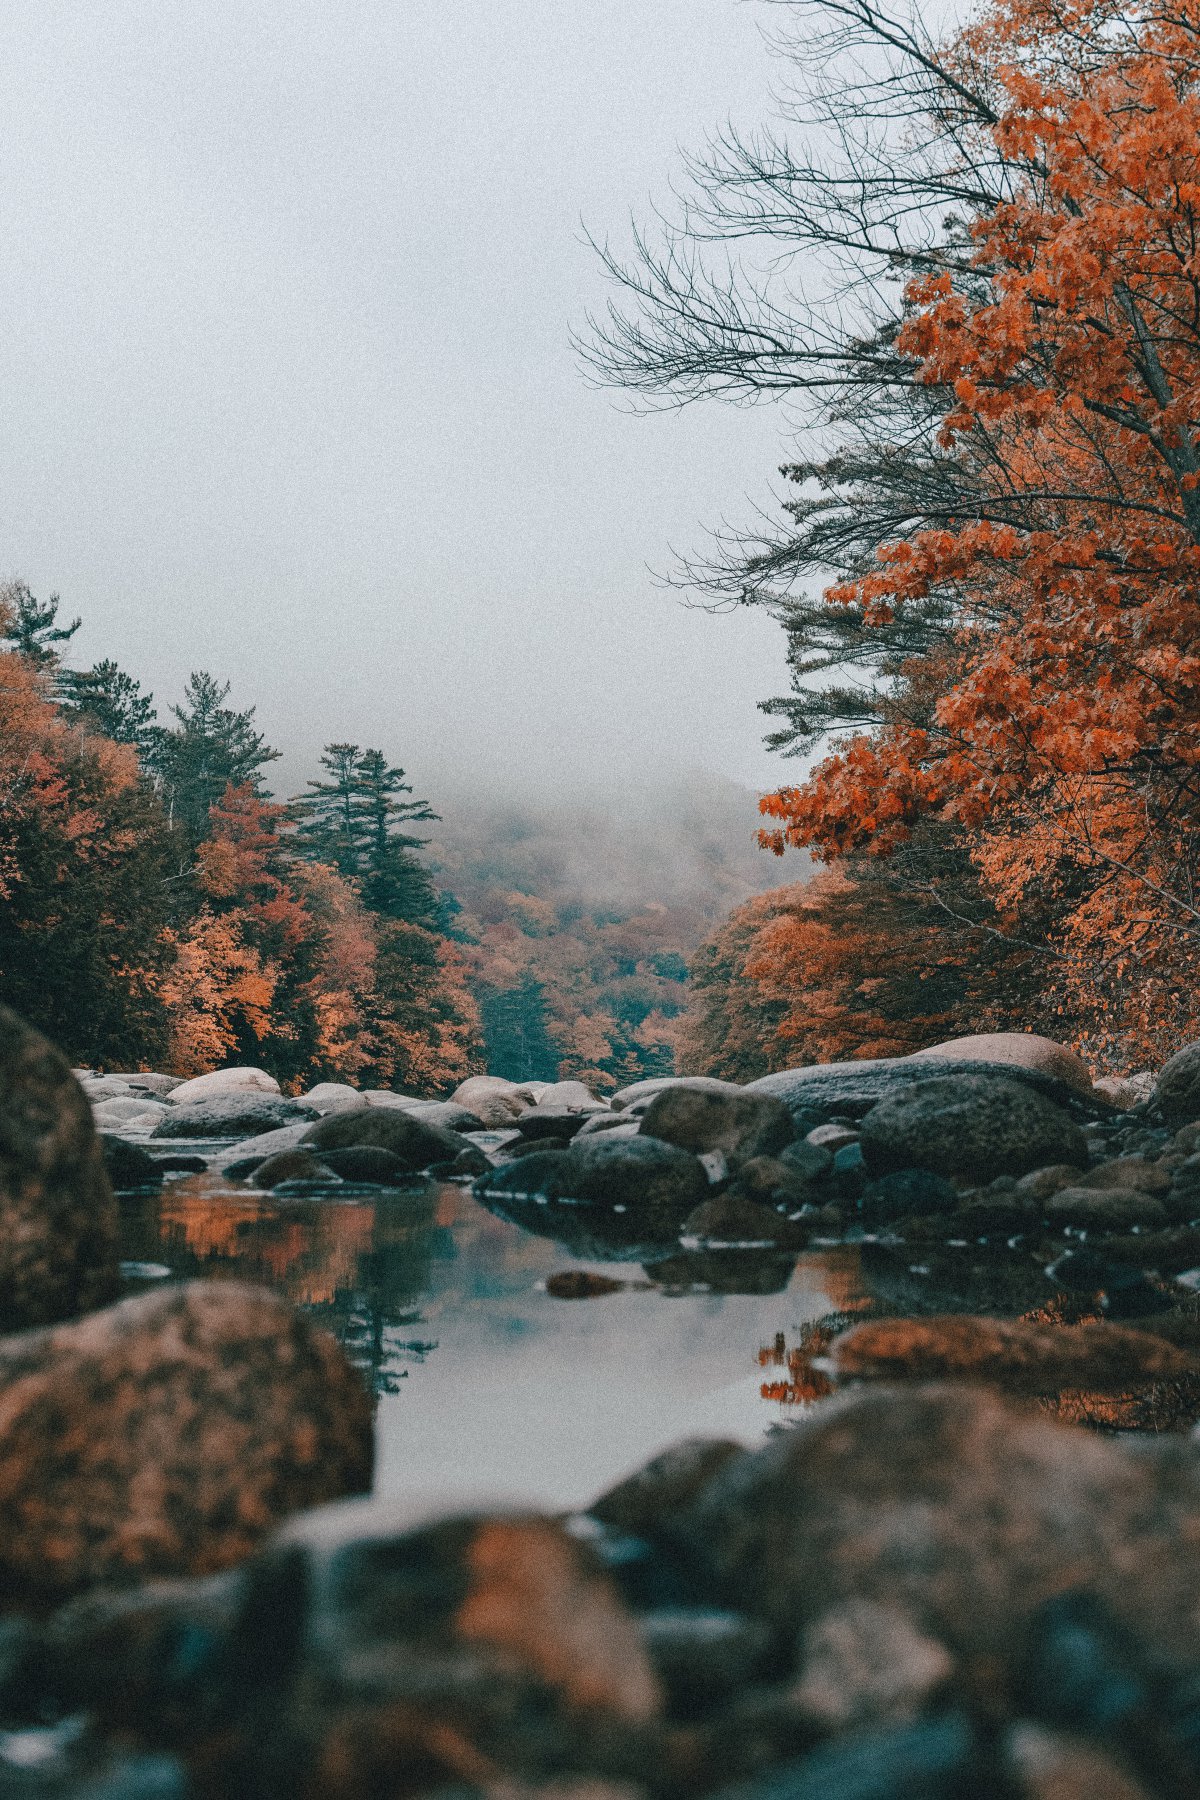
(1177, 1091)
(1016, 1355)
(414, 1142)
(58, 1219)
(245, 1155)
(129, 1113)
(494, 1101)
(241, 1080)
(960, 1507)
(569, 1096)
(641, 1172)
(233, 1114)
(167, 1435)
(331, 1096)
(288, 1165)
(970, 1127)
(732, 1219)
(129, 1166)
(1105, 1209)
(739, 1125)
(448, 1115)
(1022, 1049)
(817, 1093)
(365, 1162)
(638, 1094)
(906, 1194)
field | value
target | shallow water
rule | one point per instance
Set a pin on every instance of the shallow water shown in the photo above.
(488, 1387)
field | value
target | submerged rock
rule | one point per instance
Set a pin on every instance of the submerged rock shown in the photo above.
(365, 1162)
(167, 1436)
(58, 1220)
(1014, 1354)
(971, 1127)
(129, 1166)
(288, 1165)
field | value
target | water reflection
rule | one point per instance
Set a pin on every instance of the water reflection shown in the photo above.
(487, 1385)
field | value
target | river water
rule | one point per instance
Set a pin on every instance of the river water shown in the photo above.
(489, 1388)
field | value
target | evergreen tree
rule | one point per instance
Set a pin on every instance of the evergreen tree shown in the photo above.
(108, 701)
(209, 748)
(516, 1038)
(31, 626)
(356, 820)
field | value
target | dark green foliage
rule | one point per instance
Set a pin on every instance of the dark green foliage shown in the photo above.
(32, 627)
(356, 819)
(106, 700)
(516, 1038)
(209, 748)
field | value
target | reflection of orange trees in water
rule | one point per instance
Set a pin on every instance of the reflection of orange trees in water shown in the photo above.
(310, 1256)
(802, 1382)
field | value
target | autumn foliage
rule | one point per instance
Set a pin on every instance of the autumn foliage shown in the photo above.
(1057, 720)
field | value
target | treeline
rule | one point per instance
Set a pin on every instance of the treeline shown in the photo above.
(1000, 381)
(160, 909)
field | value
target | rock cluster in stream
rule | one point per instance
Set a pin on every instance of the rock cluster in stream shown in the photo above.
(932, 1585)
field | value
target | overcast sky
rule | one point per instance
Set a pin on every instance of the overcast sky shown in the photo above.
(287, 391)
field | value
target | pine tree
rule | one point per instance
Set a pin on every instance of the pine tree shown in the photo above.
(209, 748)
(108, 701)
(356, 820)
(31, 626)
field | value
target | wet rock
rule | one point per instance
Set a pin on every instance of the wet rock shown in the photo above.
(955, 1505)
(58, 1221)
(553, 1122)
(494, 1101)
(1104, 1209)
(769, 1178)
(288, 1165)
(810, 1160)
(643, 1172)
(468, 1164)
(1020, 1049)
(866, 1664)
(410, 1139)
(731, 1219)
(167, 1435)
(1177, 1090)
(129, 1166)
(832, 1137)
(448, 1115)
(1014, 1354)
(906, 1193)
(533, 1147)
(821, 1092)
(740, 1125)
(365, 1162)
(703, 1654)
(970, 1127)
(581, 1284)
(244, 1080)
(178, 1163)
(242, 1158)
(620, 1122)
(233, 1114)
(649, 1499)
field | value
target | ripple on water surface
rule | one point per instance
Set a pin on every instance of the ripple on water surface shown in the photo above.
(486, 1384)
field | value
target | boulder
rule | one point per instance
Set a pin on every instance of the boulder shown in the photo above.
(253, 1150)
(960, 1508)
(331, 1096)
(58, 1220)
(1014, 1354)
(554, 1122)
(416, 1144)
(129, 1166)
(1125, 1092)
(1021, 1049)
(740, 1125)
(366, 1162)
(104, 1087)
(223, 1081)
(229, 1115)
(1177, 1090)
(650, 1184)
(167, 1436)
(152, 1083)
(821, 1092)
(569, 1096)
(128, 1113)
(494, 1101)
(906, 1194)
(731, 1220)
(448, 1115)
(971, 1127)
(288, 1165)
(638, 1095)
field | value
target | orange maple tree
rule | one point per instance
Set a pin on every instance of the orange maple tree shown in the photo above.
(1058, 719)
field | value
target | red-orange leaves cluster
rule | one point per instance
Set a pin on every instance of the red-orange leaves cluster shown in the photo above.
(1066, 345)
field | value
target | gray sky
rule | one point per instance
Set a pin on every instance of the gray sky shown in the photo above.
(286, 384)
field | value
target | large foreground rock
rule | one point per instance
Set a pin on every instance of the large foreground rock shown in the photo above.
(167, 1436)
(740, 1125)
(970, 1127)
(58, 1219)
